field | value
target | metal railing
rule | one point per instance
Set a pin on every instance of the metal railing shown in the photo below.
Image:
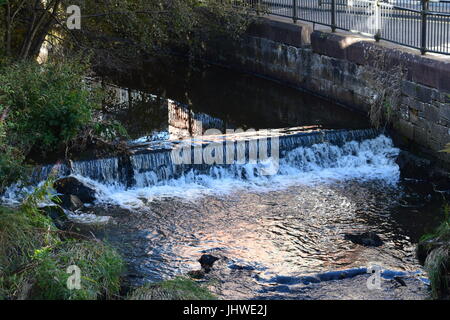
(419, 24)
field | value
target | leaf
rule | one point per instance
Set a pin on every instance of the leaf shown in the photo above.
(447, 148)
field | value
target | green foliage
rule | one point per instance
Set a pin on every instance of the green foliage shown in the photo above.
(438, 269)
(447, 148)
(11, 159)
(436, 248)
(119, 31)
(45, 109)
(20, 236)
(47, 105)
(109, 130)
(442, 233)
(180, 288)
(100, 265)
(34, 258)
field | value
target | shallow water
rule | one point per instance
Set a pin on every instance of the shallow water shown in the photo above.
(274, 238)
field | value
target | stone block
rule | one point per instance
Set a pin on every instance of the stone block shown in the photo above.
(297, 35)
(417, 91)
(444, 111)
(431, 113)
(405, 128)
(330, 44)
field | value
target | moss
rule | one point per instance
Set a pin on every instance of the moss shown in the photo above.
(180, 288)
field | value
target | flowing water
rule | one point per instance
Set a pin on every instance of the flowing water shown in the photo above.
(279, 236)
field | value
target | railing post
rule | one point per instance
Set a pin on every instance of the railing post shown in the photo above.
(377, 21)
(333, 15)
(423, 44)
(294, 11)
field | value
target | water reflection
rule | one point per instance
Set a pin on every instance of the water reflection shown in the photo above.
(218, 98)
(291, 233)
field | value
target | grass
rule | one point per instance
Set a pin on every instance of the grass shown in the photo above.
(35, 255)
(438, 269)
(434, 248)
(442, 233)
(100, 267)
(180, 288)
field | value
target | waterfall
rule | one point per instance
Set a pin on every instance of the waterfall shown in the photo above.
(304, 157)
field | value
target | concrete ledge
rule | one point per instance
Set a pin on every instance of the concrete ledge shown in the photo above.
(428, 70)
(296, 35)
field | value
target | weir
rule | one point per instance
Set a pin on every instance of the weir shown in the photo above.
(151, 164)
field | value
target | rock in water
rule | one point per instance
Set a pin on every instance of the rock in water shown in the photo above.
(367, 239)
(196, 274)
(71, 202)
(72, 186)
(207, 261)
(400, 281)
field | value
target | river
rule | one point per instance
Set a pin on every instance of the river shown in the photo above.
(282, 236)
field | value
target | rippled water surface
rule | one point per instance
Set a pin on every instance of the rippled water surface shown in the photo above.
(270, 239)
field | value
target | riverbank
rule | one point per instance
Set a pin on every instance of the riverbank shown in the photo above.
(40, 261)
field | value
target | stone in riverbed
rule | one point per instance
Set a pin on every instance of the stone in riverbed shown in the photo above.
(196, 274)
(207, 261)
(71, 202)
(72, 186)
(367, 239)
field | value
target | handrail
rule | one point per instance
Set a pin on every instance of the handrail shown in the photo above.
(424, 25)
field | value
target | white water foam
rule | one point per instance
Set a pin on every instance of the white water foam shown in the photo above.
(372, 159)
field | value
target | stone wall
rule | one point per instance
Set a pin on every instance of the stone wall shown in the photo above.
(345, 68)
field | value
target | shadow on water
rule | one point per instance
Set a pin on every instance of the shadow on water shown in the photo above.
(238, 100)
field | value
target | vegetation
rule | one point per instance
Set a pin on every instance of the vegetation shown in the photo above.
(179, 288)
(116, 31)
(45, 109)
(34, 256)
(387, 92)
(438, 268)
(435, 251)
(45, 105)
